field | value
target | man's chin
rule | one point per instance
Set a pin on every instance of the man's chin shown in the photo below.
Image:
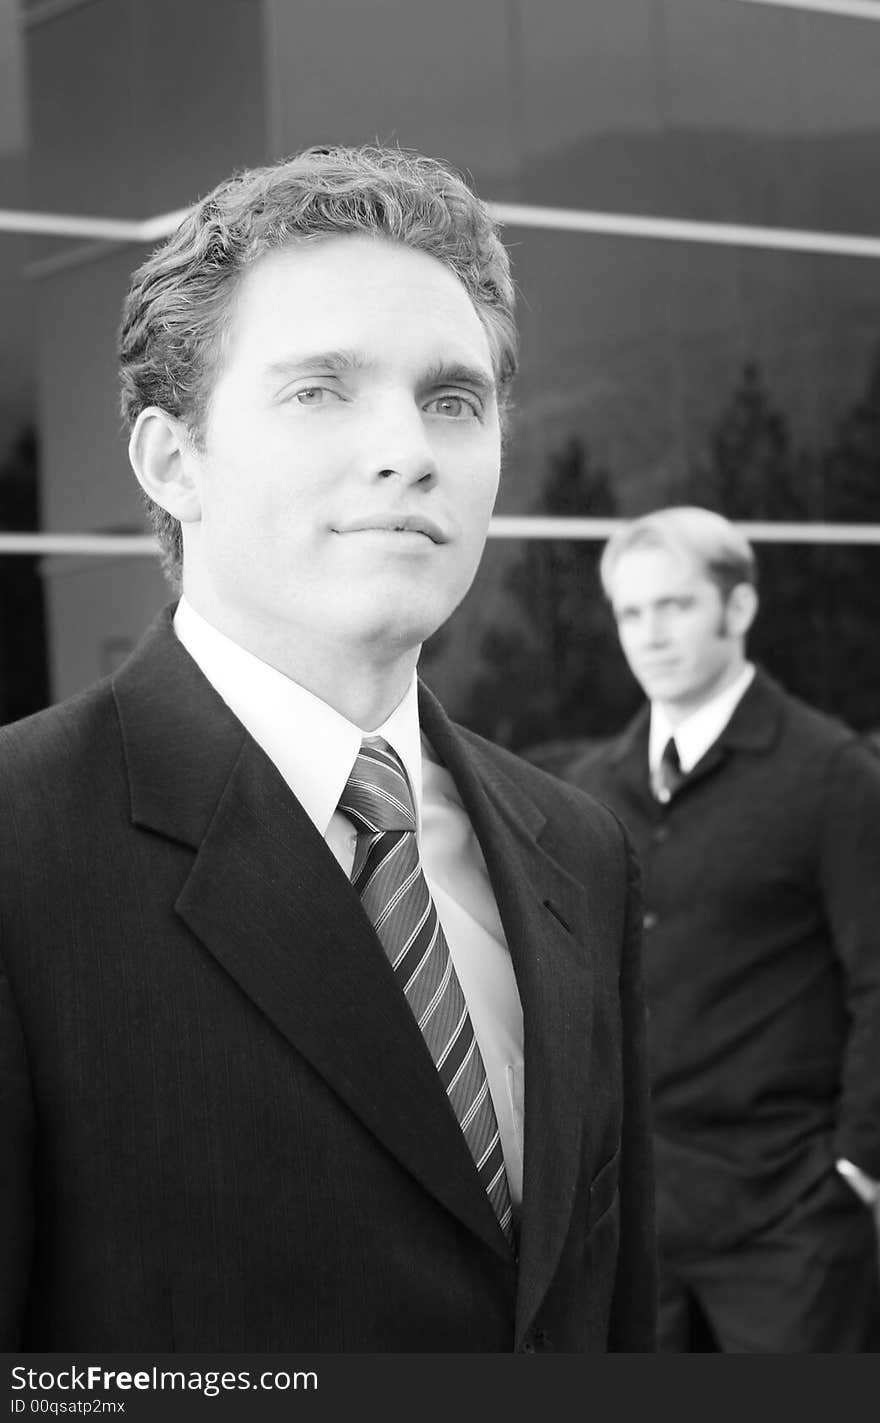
(401, 618)
(662, 689)
(394, 630)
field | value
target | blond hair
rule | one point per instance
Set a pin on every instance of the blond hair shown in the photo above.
(724, 552)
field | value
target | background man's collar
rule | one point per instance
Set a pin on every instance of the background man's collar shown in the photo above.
(701, 729)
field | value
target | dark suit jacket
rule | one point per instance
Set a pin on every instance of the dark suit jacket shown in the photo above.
(762, 961)
(221, 1126)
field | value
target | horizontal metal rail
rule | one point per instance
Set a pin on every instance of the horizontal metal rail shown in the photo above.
(99, 545)
(541, 527)
(665, 229)
(40, 12)
(522, 215)
(106, 229)
(848, 9)
(525, 526)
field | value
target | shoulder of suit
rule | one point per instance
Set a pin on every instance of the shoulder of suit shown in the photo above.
(597, 756)
(60, 738)
(597, 766)
(554, 795)
(818, 732)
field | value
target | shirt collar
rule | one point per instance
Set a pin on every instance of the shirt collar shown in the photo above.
(310, 743)
(701, 729)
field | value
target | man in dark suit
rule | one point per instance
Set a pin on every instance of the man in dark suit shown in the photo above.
(757, 822)
(321, 1025)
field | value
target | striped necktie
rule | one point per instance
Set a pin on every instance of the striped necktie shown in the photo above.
(387, 874)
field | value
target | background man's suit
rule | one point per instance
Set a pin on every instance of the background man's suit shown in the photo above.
(222, 1129)
(762, 970)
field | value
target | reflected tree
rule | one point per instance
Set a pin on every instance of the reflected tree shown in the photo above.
(850, 481)
(552, 671)
(851, 465)
(817, 628)
(754, 473)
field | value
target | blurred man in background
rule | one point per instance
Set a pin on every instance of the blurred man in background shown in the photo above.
(757, 822)
(321, 1023)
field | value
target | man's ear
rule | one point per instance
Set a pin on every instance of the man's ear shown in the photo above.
(742, 605)
(162, 458)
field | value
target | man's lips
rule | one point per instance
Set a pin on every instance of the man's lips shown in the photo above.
(395, 524)
(666, 664)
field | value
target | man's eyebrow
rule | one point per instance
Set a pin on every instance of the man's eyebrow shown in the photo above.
(336, 362)
(340, 362)
(460, 373)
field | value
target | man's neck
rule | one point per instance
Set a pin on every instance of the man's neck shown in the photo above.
(680, 711)
(366, 694)
(363, 682)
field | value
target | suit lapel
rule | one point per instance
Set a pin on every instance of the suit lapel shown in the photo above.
(754, 726)
(629, 757)
(268, 900)
(555, 986)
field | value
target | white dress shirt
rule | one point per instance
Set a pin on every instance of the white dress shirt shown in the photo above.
(693, 737)
(697, 732)
(314, 748)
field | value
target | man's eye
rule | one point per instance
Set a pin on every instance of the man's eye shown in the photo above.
(455, 407)
(314, 395)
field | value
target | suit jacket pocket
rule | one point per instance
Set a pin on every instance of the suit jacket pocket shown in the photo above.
(603, 1189)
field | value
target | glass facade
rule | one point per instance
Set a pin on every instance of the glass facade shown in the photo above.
(727, 373)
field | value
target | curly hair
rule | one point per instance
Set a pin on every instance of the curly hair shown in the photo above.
(178, 306)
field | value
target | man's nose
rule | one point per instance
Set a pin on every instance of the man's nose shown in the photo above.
(397, 445)
(654, 629)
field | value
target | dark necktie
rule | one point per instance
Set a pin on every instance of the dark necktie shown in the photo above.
(387, 874)
(669, 773)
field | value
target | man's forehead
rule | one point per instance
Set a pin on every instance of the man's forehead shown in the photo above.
(655, 569)
(327, 295)
(363, 259)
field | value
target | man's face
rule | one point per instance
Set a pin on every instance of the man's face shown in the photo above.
(673, 626)
(351, 453)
